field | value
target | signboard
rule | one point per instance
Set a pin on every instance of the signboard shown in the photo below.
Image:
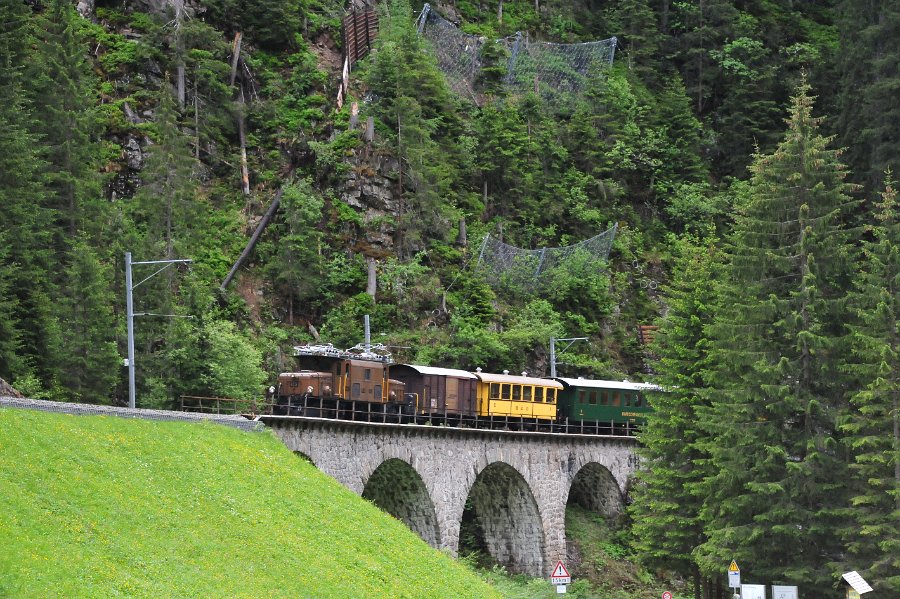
(753, 591)
(851, 594)
(856, 581)
(560, 575)
(784, 592)
(667, 595)
(734, 576)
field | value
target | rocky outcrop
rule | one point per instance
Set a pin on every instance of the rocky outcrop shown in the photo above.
(7, 390)
(370, 187)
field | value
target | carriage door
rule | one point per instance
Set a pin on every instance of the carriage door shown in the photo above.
(452, 395)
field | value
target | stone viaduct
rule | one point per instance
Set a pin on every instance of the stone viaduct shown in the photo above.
(514, 484)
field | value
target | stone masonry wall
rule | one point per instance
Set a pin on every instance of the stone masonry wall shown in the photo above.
(520, 499)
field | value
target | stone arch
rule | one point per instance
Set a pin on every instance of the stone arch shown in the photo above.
(397, 488)
(508, 517)
(595, 488)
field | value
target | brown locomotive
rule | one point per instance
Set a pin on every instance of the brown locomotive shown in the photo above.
(331, 383)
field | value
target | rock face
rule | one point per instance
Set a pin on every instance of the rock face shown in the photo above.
(7, 390)
(370, 187)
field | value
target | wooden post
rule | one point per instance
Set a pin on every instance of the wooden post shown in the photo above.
(242, 137)
(354, 115)
(461, 239)
(235, 56)
(370, 129)
(372, 282)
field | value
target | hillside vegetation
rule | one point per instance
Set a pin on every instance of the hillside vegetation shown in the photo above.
(745, 150)
(108, 507)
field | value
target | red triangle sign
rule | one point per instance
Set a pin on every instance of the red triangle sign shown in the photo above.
(560, 571)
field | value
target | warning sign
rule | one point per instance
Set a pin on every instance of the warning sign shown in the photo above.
(733, 567)
(560, 575)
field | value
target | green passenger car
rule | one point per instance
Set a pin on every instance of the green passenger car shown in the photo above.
(615, 406)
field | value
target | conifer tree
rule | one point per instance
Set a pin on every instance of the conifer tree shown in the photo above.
(89, 359)
(415, 105)
(873, 427)
(61, 92)
(666, 507)
(25, 216)
(779, 466)
(298, 267)
(869, 64)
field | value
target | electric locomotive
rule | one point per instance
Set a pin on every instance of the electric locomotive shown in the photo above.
(333, 383)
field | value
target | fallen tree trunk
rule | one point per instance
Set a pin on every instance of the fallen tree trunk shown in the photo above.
(273, 208)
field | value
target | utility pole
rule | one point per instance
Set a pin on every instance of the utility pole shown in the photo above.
(553, 341)
(129, 314)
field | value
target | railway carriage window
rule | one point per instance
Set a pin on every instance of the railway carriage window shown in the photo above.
(295, 382)
(627, 398)
(638, 399)
(516, 392)
(354, 393)
(504, 391)
(538, 394)
(495, 390)
(616, 399)
(526, 393)
(551, 395)
(368, 374)
(581, 395)
(378, 392)
(604, 398)
(593, 398)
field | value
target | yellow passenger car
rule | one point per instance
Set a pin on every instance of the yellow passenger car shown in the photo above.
(516, 396)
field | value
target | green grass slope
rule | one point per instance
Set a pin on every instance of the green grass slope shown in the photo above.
(94, 506)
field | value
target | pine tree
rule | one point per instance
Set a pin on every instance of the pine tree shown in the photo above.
(776, 390)
(298, 267)
(89, 359)
(25, 216)
(415, 105)
(666, 507)
(873, 427)
(870, 81)
(60, 88)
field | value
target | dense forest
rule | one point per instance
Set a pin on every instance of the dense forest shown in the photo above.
(744, 152)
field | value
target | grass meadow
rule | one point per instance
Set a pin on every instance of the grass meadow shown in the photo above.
(95, 506)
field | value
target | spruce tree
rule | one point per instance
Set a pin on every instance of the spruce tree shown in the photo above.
(61, 91)
(25, 216)
(89, 359)
(873, 427)
(666, 507)
(779, 466)
(869, 65)
(414, 104)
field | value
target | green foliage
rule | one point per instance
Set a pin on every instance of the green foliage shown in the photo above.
(269, 23)
(777, 484)
(872, 424)
(232, 363)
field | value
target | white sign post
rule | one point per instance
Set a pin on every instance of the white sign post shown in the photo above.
(784, 592)
(753, 591)
(560, 577)
(734, 576)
